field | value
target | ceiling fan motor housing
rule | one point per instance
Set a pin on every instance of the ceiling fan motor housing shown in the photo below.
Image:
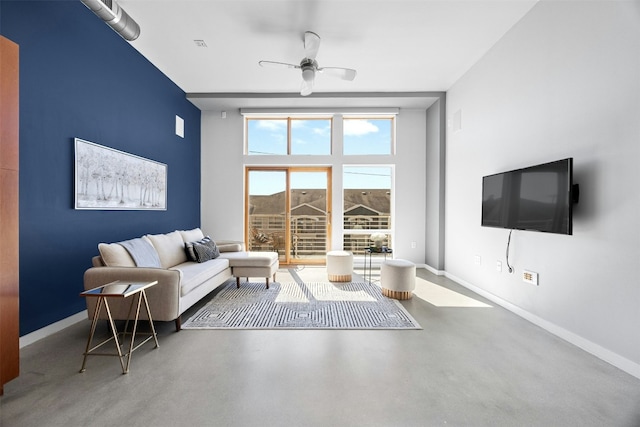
(308, 67)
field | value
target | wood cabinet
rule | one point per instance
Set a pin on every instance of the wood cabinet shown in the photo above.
(9, 314)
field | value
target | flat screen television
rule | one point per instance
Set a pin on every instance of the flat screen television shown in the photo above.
(537, 198)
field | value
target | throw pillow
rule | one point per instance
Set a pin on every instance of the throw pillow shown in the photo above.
(202, 250)
(115, 255)
(191, 235)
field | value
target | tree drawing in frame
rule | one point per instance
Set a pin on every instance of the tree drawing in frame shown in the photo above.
(108, 179)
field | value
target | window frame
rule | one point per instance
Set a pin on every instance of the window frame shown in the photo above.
(392, 136)
(389, 231)
(336, 159)
(289, 118)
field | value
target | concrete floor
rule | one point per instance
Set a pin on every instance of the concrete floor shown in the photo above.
(473, 364)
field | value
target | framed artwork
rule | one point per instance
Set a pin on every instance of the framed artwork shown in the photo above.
(108, 179)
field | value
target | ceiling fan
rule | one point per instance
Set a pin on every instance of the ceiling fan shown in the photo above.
(309, 65)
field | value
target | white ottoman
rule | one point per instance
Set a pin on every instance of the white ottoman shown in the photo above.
(252, 264)
(339, 266)
(398, 278)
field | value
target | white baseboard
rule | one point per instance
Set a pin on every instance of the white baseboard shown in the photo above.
(433, 270)
(600, 352)
(51, 329)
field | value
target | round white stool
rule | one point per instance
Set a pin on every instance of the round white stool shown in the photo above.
(339, 266)
(398, 278)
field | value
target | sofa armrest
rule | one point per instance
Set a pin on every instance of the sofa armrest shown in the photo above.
(164, 297)
(230, 246)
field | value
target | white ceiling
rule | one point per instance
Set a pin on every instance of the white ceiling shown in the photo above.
(397, 46)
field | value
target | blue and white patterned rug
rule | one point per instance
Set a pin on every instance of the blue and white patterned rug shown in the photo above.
(301, 306)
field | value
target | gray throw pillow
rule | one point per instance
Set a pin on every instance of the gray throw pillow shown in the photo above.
(202, 250)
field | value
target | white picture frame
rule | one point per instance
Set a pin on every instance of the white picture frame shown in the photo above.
(109, 179)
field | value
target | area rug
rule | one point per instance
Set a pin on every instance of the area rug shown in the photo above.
(352, 305)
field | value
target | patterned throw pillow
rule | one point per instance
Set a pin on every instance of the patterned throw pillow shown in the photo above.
(202, 250)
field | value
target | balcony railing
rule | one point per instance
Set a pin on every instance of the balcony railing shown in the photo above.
(309, 234)
(367, 222)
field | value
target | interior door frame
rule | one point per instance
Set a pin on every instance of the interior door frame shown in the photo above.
(288, 170)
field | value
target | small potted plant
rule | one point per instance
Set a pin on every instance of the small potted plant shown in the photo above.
(378, 239)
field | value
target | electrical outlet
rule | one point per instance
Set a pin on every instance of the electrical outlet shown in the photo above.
(499, 266)
(478, 260)
(414, 245)
(530, 277)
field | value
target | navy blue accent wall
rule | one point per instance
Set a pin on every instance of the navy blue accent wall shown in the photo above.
(78, 78)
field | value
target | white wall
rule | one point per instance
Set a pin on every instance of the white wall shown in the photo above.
(410, 186)
(222, 175)
(435, 200)
(223, 179)
(564, 82)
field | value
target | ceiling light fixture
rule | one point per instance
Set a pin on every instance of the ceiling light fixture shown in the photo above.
(308, 74)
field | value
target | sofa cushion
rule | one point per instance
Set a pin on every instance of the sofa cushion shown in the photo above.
(250, 259)
(194, 274)
(202, 250)
(115, 255)
(170, 248)
(191, 235)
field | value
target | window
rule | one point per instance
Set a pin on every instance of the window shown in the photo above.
(303, 141)
(287, 211)
(367, 206)
(311, 136)
(289, 136)
(363, 135)
(267, 136)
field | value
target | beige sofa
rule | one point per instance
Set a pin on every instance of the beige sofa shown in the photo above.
(181, 282)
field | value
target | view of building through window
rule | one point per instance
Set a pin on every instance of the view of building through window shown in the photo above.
(367, 206)
(292, 217)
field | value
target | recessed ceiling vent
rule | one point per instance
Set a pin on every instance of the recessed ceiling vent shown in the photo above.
(111, 13)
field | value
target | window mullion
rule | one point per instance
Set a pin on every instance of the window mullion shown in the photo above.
(289, 136)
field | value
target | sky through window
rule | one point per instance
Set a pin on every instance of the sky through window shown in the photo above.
(361, 136)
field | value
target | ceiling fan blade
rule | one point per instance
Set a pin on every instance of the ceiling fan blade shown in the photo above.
(311, 44)
(343, 73)
(307, 87)
(277, 64)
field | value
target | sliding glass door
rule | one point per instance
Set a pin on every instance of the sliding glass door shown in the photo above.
(287, 210)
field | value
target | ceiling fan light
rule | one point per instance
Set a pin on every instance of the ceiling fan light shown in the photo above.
(308, 74)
